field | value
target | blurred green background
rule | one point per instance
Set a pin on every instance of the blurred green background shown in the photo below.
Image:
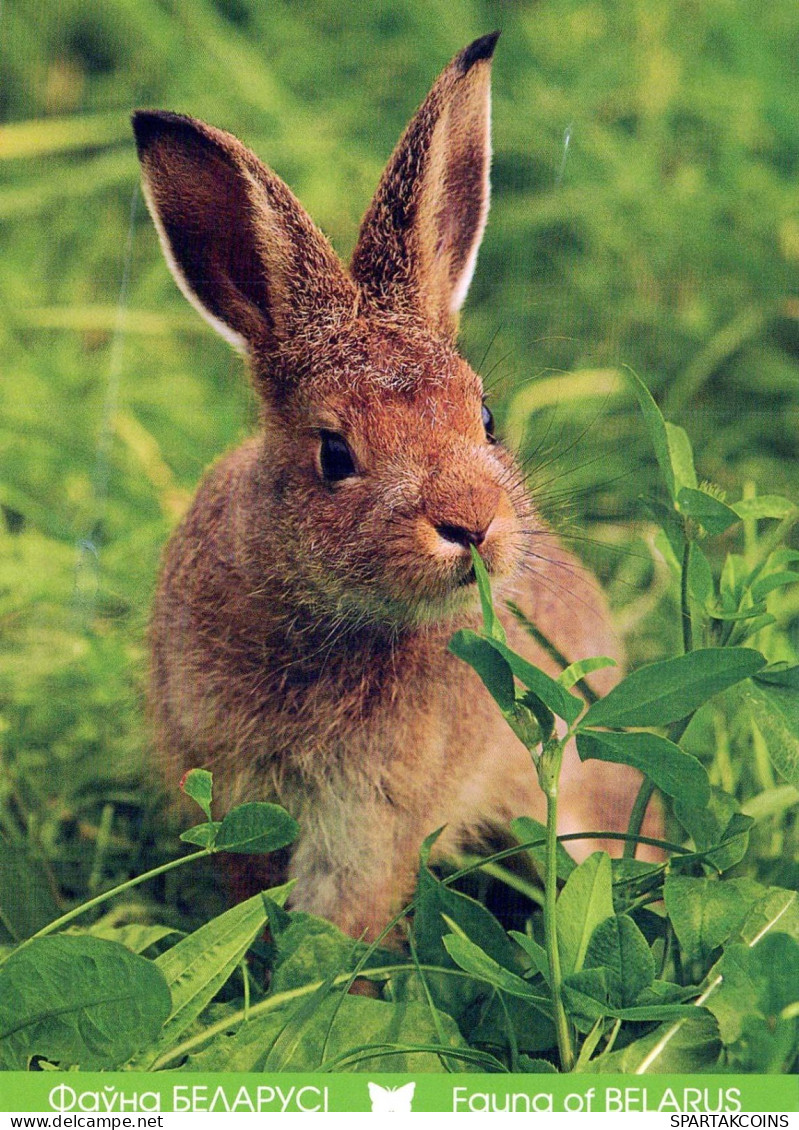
(645, 214)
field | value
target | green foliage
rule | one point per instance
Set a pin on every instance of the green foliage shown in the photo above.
(668, 691)
(774, 703)
(597, 963)
(80, 1001)
(675, 772)
(199, 965)
(353, 1033)
(198, 784)
(584, 903)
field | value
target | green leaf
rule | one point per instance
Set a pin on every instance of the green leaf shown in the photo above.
(577, 671)
(476, 962)
(26, 897)
(435, 902)
(656, 426)
(256, 828)
(333, 1028)
(198, 784)
(309, 948)
(204, 835)
(631, 879)
(78, 1001)
(766, 506)
(744, 614)
(775, 710)
(713, 515)
(675, 772)
(536, 953)
(750, 626)
(496, 664)
(670, 690)
(199, 965)
(666, 992)
(778, 911)
(779, 675)
(587, 997)
(755, 985)
(705, 913)
(773, 802)
(734, 578)
(700, 576)
(783, 557)
(765, 585)
(566, 706)
(492, 667)
(530, 1066)
(619, 948)
(717, 828)
(585, 902)
(685, 1046)
(502, 1019)
(681, 457)
(135, 936)
(282, 1052)
(491, 623)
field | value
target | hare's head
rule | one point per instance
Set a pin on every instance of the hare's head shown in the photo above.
(378, 455)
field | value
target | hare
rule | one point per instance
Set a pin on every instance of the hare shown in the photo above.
(300, 629)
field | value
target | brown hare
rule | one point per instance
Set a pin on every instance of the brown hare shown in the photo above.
(299, 637)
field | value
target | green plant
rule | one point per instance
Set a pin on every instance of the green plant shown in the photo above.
(609, 970)
(632, 966)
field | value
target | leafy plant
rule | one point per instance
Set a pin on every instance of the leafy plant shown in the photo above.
(633, 966)
(597, 964)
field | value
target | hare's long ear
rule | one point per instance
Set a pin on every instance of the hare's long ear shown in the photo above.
(418, 242)
(239, 244)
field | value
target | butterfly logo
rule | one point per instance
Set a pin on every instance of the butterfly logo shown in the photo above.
(386, 1099)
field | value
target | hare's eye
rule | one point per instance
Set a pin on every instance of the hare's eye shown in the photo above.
(488, 424)
(335, 458)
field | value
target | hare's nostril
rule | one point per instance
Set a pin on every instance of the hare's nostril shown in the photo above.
(460, 535)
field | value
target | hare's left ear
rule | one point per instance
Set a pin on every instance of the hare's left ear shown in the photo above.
(418, 242)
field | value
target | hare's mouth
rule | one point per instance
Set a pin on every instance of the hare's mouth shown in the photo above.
(467, 579)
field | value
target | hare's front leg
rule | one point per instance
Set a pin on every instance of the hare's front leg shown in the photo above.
(355, 863)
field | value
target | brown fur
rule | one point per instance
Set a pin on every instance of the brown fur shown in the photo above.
(300, 627)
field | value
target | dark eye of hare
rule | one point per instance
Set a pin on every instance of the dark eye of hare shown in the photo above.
(488, 424)
(335, 458)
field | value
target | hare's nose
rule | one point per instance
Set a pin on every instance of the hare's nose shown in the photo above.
(461, 535)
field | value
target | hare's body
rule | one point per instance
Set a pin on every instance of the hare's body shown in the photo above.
(301, 625)
(372, 736)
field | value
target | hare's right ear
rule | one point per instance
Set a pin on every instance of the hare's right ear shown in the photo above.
(418, 242)
(241, 247)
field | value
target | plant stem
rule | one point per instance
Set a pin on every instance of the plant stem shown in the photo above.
(277, 1000)
(685, 606)
(637, 815)
(678, 728)
(65, 919)
(515, 882)
(550, 771)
